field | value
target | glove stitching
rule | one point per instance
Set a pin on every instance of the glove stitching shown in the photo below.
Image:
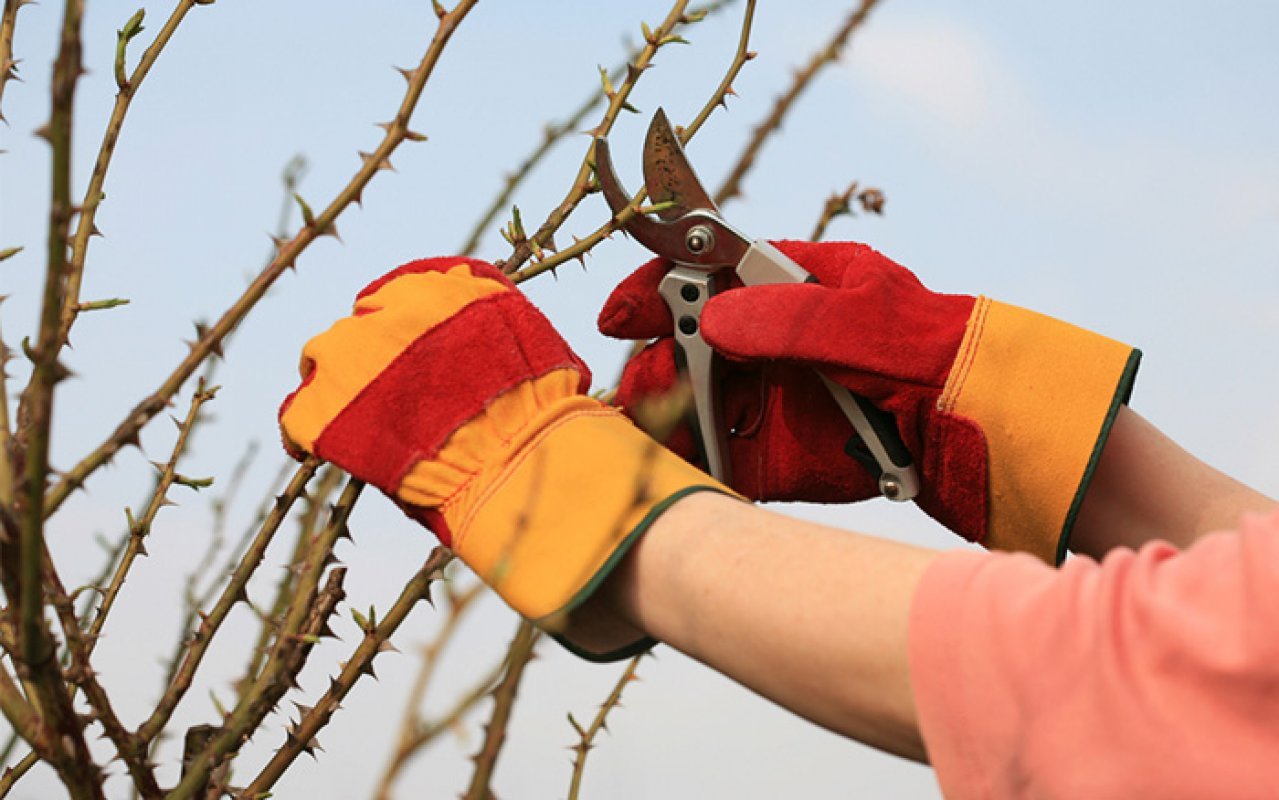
(967, 354)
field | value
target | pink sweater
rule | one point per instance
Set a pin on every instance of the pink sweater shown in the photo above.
(1154, 674)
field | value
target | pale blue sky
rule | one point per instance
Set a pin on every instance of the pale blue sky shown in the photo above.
(1112, 164)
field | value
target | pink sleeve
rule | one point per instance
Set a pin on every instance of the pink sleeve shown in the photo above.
(1152, 674)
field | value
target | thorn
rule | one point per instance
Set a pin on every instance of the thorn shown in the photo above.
(406, 73)
(385, 164)
(201, 334)
(332, 230)
(42, 132)
(60, 372)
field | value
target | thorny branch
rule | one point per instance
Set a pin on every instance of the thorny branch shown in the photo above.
(60, 733)
(140, 527)
(318, 224)
(377, 639)
(525, 248)
(93, 195)
(234, 592)
(517, 658)
(586, 736)
(8, 64)
(248, 715)
(839, 204)
(414, 734)
(718, 98)
(732, 186)
(131, 749)
(316, 501)
(554, 132)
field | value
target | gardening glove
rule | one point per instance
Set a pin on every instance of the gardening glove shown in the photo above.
(1004, 410)
(451, 393)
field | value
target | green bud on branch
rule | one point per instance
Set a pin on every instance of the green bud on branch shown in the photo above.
(123, 36)
(609, 91)
(192, 483)
(308, 216)
(102, 305)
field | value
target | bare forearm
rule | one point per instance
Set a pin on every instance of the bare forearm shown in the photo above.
(1147, 487)
(813, 618)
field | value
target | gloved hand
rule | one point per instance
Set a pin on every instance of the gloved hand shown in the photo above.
(1004, 410)
(451, 393)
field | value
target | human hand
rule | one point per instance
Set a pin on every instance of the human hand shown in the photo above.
(1002, 409)
(447, 390)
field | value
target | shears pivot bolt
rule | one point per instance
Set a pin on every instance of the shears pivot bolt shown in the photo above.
(699, 239)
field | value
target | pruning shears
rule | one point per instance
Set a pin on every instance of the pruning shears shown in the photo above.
(690, 232)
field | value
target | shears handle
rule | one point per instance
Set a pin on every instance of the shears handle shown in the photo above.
(686, 291)
(877, 445)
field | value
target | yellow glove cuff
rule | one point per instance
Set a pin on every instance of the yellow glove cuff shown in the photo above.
(1045, 394)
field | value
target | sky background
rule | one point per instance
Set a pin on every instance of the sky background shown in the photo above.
(1111, 164)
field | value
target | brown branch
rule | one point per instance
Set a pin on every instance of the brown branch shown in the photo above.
(840, 204)
(23, 566)
(283, 673)
(321, 224)
(551, 135)
(555, 132)
(80, 673)
(232, 593)
(316, 501)
(140, 528)
(6, 433)
(517, 658)
(586, 737)
(583, 182)
(732, 186)
(194, 601)
(411, 739)
(24, 718)
(93, 194)
(718, 98)
(301, 735)
(8, 64)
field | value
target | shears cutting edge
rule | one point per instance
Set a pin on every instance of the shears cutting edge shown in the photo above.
(691, 233)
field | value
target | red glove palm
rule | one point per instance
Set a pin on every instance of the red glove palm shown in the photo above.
(870, 325)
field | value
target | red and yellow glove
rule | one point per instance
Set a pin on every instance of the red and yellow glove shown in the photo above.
(451, 393)
(1004, 410)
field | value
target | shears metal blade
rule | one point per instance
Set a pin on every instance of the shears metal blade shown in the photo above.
(690, 231)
